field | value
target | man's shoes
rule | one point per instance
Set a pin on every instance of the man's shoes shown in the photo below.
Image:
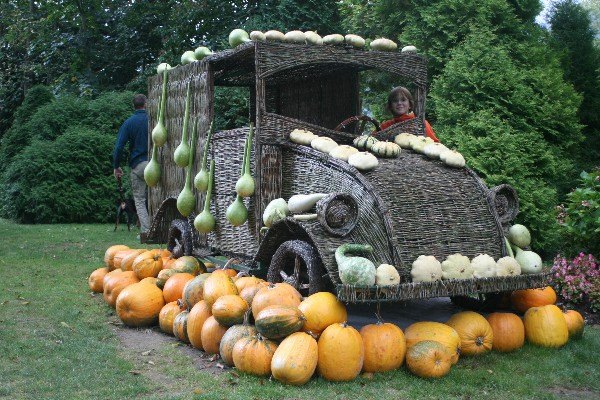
(142, 237)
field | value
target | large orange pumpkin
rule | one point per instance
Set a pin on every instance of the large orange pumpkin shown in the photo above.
(110, 254)
(575, 323)
(546, 326)
(509, 332)
(196, 319)
(341, 353)
(253, 355)
(139, 304)
(211, 335)
(96, 279)
(127, 262)
(428, 359)
(173, 288)
(523, 300)
(282, 294)
(193, 291)
(476, 335)
(229, 310)
(147, 264)
(295, 360)
(163, 276)
(436, 331)
(217, 285)
(180, 324)
(188, 264)
(115, 284)
(321, 310)
(167, 316)
(230, 338)
(249, 292)
(246, 281)
(118, 257)
(385, 347)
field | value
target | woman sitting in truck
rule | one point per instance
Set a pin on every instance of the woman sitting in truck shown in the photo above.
(400, 104)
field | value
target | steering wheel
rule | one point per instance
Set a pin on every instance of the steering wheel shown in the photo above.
(363, 121)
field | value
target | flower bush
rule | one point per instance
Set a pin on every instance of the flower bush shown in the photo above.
(577, 281)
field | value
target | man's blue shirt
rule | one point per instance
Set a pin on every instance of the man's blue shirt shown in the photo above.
(135, 132)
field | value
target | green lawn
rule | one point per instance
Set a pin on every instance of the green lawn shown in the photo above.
(57, 341)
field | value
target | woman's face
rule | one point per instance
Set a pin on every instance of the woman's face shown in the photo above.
(400, 106)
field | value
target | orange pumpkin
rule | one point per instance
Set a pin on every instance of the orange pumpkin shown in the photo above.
(180, 324)
(109, 275)
(173, 288)
(428, 359)
(217, 285)
(385, 347)
(167, 316)
(232, 273)
(523, 300)
(341, 353)
(229, 310)
(321, 310)
(147, 264)
(575, 323)
(277, 322)
(211, 335)
(509, 332)
(193, 291)
(253, 355)
(295, 360)
(110, 254)
(127, 262)
(199, 313)
(115, 284)
(96, 279)
(118, 257)
(246, 281)
(188, 264)
(546, 326)
(249, 292)
(436, 331)
(163, 276)
(282, 294)
(139, 304)
(476, 335)
(230, 338)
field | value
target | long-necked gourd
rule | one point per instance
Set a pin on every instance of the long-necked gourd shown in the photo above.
(205, 222)
(152, 170)
(355, 270)
(201, 179)
(245, 185)
(159, 133)
(186, 201)
(181, 155)
(237, 213)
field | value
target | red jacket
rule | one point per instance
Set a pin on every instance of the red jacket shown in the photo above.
(428, 130)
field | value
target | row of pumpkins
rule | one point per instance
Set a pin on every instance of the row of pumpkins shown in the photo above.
(294, 337)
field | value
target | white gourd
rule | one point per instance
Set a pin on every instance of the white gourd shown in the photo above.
(386, 149)
(453, 158)
(313, 38)
(297, 37)
(323, 143)
(387, 275)
(354, 40)
(363, 161)
(457, 266)
(530, 261)
(302, 136)
(274, 36)
(433, 150)
(409, 49)
(343, 152)
(383, 44)
(257, 36)
(419, 142)
(404, 139)
(333, 39)
(426, 269)
(507, 266)
(484, 266)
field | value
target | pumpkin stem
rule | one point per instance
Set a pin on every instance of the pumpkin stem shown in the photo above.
(479, 341)
(247, 316)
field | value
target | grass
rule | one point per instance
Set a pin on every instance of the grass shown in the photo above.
(57, 342)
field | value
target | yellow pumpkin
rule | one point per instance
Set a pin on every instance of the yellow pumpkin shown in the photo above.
(476, 335)
(253, 355)
(245, 281)
(196, 319)
(110, 254)
(139, 304)
(428, 359)
(173, 288)
(575, 323)
(127, 262)
(509, 331)
(217, 285)
(275, 294)
(231, 337)
(167, 316)
(436, 331)
(546, 326)
(295, 360)
(188, 264)
(385, 347)
(229, 310)
(193, 291)
(115, 284)
(321, 310)
(147, 264)
(341, 353)
(211, 334)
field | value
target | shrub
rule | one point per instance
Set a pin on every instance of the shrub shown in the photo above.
(578, 280)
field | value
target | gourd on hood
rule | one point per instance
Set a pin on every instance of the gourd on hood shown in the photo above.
(433, 150)
(453, 158)
(276, 210)
(426, 269)
(343, 152)
(323, 143)
(457, 266)
(363, 161)
(507, 266)
(387, 275)
(484, 266)
(355, 270)
(302, 136)
(404, 139)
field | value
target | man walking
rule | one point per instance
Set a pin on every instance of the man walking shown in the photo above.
(135, 132)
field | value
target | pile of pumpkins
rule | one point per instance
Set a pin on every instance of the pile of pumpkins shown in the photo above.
(292, 338)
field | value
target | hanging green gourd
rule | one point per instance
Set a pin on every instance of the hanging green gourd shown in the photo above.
(186, 201)
(152, 170)
(245, 185)
(237, 213)
(201, 179)
(182, 152)
(205, 222)
(159, 133)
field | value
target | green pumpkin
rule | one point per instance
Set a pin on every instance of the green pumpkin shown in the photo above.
(364, 142)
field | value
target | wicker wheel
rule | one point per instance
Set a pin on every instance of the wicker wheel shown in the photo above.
(180, 241)
(338, 213)
(506, 202)
(297, 263)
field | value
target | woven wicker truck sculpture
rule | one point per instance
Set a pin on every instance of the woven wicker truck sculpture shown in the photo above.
(407, 206)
